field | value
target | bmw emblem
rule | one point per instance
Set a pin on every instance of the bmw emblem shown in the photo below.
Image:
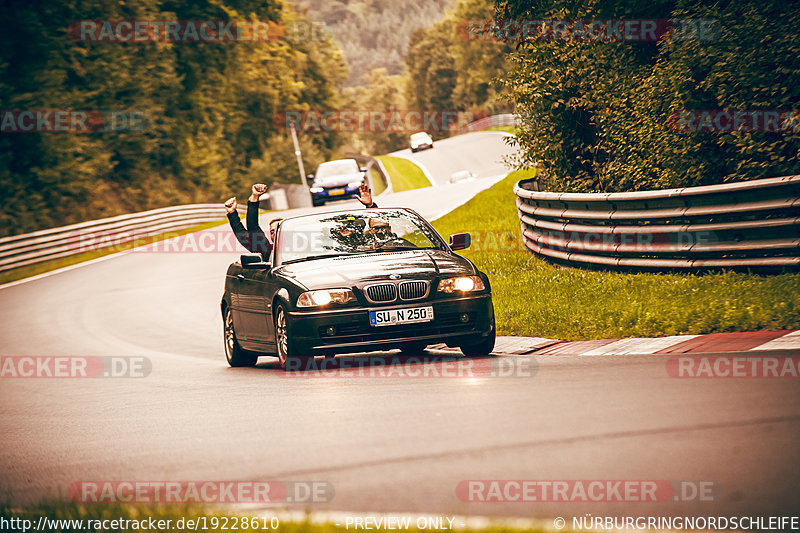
(394, 276)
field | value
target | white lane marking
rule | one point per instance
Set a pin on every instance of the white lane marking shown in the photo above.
(790, 341)
(635, 346)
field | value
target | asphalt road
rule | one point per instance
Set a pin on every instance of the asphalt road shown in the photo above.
(385, 444)
(481, 153)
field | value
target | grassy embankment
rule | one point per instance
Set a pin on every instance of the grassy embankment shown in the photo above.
(508, 129)
(377, 182)
(404, 174)
(535, 298)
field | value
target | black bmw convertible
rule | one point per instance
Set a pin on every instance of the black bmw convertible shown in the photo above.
(355, 281)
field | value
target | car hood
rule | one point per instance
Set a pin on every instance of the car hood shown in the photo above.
(348, 271)
(338, 180)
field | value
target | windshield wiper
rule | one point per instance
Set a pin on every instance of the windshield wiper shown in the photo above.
(311, 258)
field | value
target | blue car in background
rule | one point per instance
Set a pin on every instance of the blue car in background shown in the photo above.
(336, 180)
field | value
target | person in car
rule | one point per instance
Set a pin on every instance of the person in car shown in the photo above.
(380, 234)
(253, 238)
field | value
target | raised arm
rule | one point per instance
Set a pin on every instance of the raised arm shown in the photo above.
(365, 195)
(258, 238)
(252, 207)
(236, 224)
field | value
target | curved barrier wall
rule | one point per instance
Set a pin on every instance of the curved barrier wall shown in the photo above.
(31, 248)
(744, 225)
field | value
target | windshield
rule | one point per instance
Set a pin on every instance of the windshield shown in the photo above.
(336, 168)
(419, 137)
(358, 232)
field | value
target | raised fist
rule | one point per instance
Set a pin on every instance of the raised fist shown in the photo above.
(230, 205)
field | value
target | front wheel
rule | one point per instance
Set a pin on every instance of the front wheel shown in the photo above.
(235, 354)
(287, 359)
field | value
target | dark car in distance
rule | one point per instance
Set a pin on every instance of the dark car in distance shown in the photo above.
(355, 281)
(336, 180)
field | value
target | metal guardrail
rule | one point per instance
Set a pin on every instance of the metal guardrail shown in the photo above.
(506, 119)
(31, 248)
(744, 225)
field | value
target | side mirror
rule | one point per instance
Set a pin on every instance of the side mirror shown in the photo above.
(362, 169)
(460, 241)
(310, 176)
(254, 262)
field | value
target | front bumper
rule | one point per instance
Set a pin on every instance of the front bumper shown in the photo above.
(355, 334)
(328, 195)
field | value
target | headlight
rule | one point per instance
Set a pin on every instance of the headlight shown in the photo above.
(317, 189)
(324, 297)
(354, 184)
(463, 284)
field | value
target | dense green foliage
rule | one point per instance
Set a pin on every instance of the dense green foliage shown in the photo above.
(535, 298)
(374, 33)
(209, 107)
(448, 70)
(380, 92)
(596, 114)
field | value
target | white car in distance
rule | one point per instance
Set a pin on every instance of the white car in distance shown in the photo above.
(420, 141)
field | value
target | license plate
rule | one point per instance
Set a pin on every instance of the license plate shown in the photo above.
(392, 317)
(336, 192)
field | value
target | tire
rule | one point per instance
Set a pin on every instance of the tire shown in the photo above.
(413, 348)
(287, 359)
(316, 203)
(235, 354)
(483, 347)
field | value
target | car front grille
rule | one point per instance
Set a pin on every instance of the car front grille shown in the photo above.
(443, 324)
(383, 292)
(413, 290)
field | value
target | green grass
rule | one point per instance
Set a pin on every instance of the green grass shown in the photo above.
(535, 298)
(54, 264)
(508, 129)
(404, 174)
(378, 186)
